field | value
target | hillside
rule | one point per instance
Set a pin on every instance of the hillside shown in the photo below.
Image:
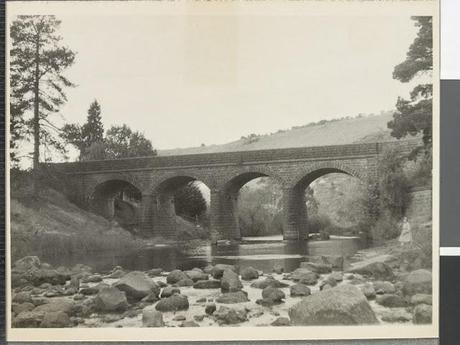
(367, 128)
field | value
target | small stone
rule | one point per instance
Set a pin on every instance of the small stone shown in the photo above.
(199, 318)
(201, 300)
(176, 276)
(230, 316)
(274, 294)
(368, 291)
(278, 269)
(281, 321)
(184, 282)
(232, 297)
(169, 291)
(207, 284)
(230, 281)
(57, 319)
(189, 323)
(210, 308)
(179, 318)
(384, 287)
(421, 299)
(316, 267)
(399, 315)
(111, 299)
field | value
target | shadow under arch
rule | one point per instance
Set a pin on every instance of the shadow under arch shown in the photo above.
(167, 221)
(117, 200)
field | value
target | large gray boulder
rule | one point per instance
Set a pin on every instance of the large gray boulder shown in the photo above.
(111, 299)
(152, 317)
(269, 281)
(27, 263)
(342, 305)
(137, 285)
(273, 294)
(419, 281)
(173, 303)
(56, 319)
(391, 301)
(299, 290)
(233, 297)
(196, 275)
(217, 271)
(305, 275)
(175, 276)
(249, 273)
(422, 314)
(230, 316)
(377, 270)
(230, 281)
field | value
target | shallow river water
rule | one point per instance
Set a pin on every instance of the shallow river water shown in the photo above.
(262, 253)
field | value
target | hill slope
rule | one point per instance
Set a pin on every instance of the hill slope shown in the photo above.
(370, 128)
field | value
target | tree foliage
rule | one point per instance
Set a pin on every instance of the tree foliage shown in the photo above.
(91, 133)
(414, 116)
(122, 142)
(38, 60)
(189, 201)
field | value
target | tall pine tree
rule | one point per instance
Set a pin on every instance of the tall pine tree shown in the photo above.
(38, 60)
(93, 129)
(414, 116)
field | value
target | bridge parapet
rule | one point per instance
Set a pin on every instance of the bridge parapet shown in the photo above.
(222, 158)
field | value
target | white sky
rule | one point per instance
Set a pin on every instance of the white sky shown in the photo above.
(189, 80)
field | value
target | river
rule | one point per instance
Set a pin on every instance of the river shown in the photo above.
(262, 253)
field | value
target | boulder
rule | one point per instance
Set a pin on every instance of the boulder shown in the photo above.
(175, 276)
(18, 308)
(328, 281)
(336, 261)
(230, 281)
(57, 319)
(173, 303)
(116, 274)
(94, 278)
(281, 321)
(249, 273)
(152, 317)
(230, 316)
(319, 268)
(43, 275)
(210, 308)
(184, 282)
(169, 291)
(419, 281)
(305, 275)
(384, 287)
(391, 301)
(269, 281)
(154, 272)
(421, 299)
(27, 263)
(299, 290)
(137, 285)
(218, 270)
(273, 294)
(342, 305)
(337, 276)
(368, 291)
(207, 284)
(28, 319)
(196, 275)
(22, 297)
(56, 304)
(377, 270)
(422, 314)
(397, 315)
(233, 297)
(111, 299)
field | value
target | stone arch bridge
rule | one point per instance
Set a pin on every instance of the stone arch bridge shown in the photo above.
(155, 179)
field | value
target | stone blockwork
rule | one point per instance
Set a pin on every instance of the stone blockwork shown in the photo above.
(156, 178)
(419, 212)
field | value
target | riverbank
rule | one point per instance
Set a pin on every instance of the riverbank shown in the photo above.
(376, 288)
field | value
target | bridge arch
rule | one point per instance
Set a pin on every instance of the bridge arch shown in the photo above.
(116, 199)
(294, 202)
(164, 203)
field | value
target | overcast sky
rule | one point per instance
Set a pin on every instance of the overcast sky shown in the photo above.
(189, 80)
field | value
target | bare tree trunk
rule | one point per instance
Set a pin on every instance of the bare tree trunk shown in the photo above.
(36, 123)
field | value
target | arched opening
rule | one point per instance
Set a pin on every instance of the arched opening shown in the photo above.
(250, 206)
(328, 202)
(117, 200)
(182, 208)
(260, 208)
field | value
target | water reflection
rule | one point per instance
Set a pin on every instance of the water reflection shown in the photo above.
(262, 254)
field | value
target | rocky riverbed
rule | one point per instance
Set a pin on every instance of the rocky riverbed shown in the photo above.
(374, 290)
